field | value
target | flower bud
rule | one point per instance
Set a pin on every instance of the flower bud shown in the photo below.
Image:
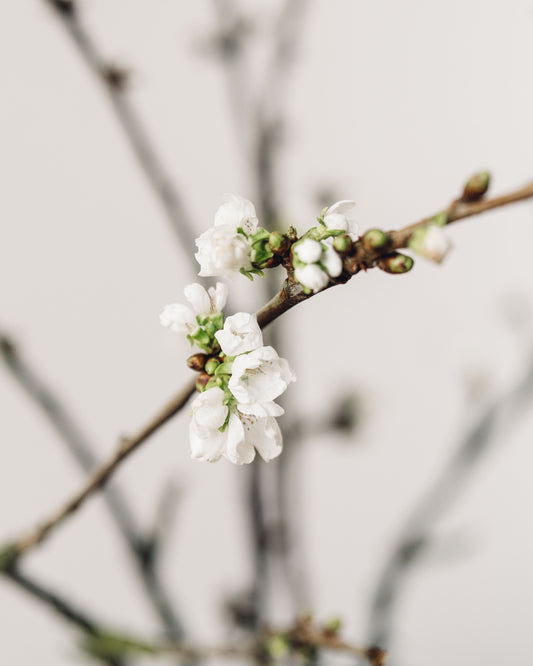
(215, 381)
(333, 625)
(343, 244)
(197, 362)
(476, 187)
(396, 263)
(211, 365)
(201, 382)
(279, 243)
(374, 239)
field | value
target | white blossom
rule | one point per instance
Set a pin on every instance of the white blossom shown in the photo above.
(182, 319)
(240, 438)
(336, 217)
(330, 258)
(309, 251)
(223, 251)
(436, 244)
(241, 334)
(208, 415)
(237, 212)
(179, 318)
(311, 276)
(259, 377)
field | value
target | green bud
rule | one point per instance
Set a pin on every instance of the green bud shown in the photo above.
(197, 362)
(279, 243)
(333, 625)
(215, 381)
(374, 239)
(396, 263)
(277, 647)
(211, 365)
(224, 368)
(343, 244)
(476, 187)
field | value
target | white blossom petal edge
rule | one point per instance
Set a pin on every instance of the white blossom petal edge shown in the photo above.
(336, 217)
(259, 377)
(181, 319)
(241, 334)
(237, 212)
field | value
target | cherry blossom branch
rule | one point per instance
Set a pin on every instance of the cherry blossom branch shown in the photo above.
(115, 82)
(63, 608)
(266, 646)
(290, 295)
(415, 534)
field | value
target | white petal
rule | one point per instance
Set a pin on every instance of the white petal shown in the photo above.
(265, 436)
(237, 212)
(241, 334)
(198, 298)
(208, 410)
(179, 318)
(206, 448)
(342, 207)
(239, 451)
(308, 251)
(218, 296)
(436, 244)
(331, 259)
(260, 376)
(312, 277)
(261, 409)
(336, 221)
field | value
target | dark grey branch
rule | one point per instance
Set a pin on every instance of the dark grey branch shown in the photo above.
(415, 535)
(114, 82)
(82, 452)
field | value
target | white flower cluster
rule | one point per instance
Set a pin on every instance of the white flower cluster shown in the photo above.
(234, 415)
(315, 259)
(235, 243)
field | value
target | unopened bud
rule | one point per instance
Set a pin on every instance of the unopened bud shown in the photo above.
(374, 239)
(343, 244)
(211, 365)
(476, 187)
(333, 625)
(201, 382)
(396, 263)
(278, 242)
(214, 381)
(197, 361)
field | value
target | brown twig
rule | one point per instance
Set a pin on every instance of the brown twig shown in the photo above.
(140, 546)
(115, 83)
(290, 295)
(416, 533)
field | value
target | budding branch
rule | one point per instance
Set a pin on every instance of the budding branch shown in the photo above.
(291, 293)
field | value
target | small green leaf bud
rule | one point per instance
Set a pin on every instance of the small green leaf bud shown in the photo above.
(211, 365)
(279, 243)
(215, 381)
(277, 647)
(396, 263)
(374, 239)
(197, 362)
(476, 187)
(201, 382)
(333, 625)
(343, 244)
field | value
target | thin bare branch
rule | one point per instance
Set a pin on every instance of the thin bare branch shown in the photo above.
(115, 83)
(82, 451)
(290, 295)
(416, 533)
(61, 606)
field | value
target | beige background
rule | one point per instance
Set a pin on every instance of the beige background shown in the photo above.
(391, 103)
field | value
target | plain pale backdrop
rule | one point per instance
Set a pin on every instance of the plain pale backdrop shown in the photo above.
(391, 104)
